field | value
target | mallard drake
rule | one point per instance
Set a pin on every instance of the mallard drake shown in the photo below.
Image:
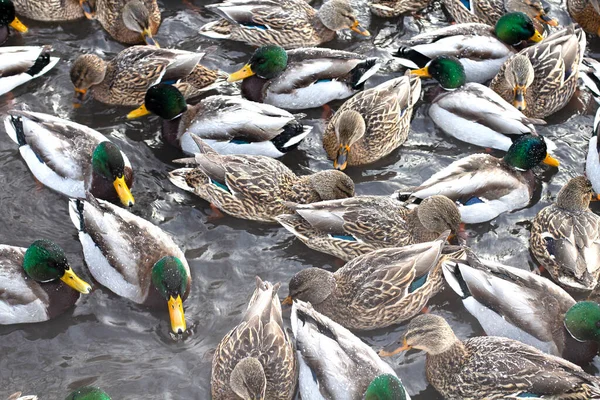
(395, 8)
(257, 188)
(518, 304)
(541, 79)
(286, 23)
(129, 21)
(486, 186)
(71, 158)
(8, 17)
(490, 11)
(34, 283)
(88, 393)
(592, 164)
(586, 13)
(377, 289)
(372, 124)
(565, 237)
(55, 10)
(335, 364)
(493, 367)
(351, 227)
(19, 65)
(481, 49)
(472, 112)
(256, 359)
(125, 79)
(228, 124)
(303, 78)
(132, 257)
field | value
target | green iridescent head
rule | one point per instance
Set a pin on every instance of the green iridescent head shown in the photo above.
(108, 162)
(528, 151)
(267, 62)
(447, 70)
(45, 261)
(88, 393)
(166, 101)
(513, 28)
(385, 387)
(171, 279)
(7, 12)
(583, 321)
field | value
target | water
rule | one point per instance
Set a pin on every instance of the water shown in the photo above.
(125, 348)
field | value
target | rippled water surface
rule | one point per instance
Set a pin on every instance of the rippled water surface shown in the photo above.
(125, 348)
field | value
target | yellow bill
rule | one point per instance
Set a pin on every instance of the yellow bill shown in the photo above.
(176, 314)
(71, 279)
(147, 35)
(288, 301)
(404, 347)
(341, 161)
(138, 112)
(18, 25)
(359, 29)
(245, 72)
(537, 37)
(422, 72)
(551, 161)
(123, 191)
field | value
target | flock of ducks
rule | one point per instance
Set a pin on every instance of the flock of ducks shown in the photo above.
(500, 70)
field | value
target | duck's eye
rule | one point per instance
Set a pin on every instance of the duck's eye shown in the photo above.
(597, 324)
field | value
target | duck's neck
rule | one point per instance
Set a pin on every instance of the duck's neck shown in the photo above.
(324, 33)
(302, 191)
(419, 232)
(253, 88)
(575, 351)
(171, 132)
(448, 363)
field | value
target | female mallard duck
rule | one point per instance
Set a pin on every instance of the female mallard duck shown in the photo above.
(335, 364)
(19, 65)
(132, 257)
(486, 186)
(125, 79)
(490, 11)
(244, 127)
(592, 165)
(518, 304)
(375, 290)
(8, 18)
(287, 23)
(257, 188)
(256, 359)
(71, 158)
(303, 78)
(472, 112)
(34, 283)
(481, 49)
(372, 124)
(395, 8)
(540, 80)
(129, 21)
(352, 227)
(54, 10)
(586, 13)
(493, 367)
(565, 237)
(88, 393)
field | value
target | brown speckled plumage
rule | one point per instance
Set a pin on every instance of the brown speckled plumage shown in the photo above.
(110, 15)
(394, 8)
(49, 10)
(586, 13)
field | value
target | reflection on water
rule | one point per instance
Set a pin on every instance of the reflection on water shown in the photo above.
(125, 348)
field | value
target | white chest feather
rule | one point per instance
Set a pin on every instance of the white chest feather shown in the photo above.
(312, 96)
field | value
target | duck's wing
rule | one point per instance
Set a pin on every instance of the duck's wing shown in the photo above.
(19, 65)
(592, 166)
(264, 14)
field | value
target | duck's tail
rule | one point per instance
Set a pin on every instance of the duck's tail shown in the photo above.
(13, 124)
(411, 58)
(76, 213)
(293, 134)
(363, 71)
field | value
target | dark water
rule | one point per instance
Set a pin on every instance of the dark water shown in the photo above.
(126, 349)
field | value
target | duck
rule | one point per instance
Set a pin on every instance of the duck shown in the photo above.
(334, 364)
(55, 10)
(88, 393)
(256, 188)
(395, 8)
(37, 282)
(125, 79)
(129, 21)
(303, 78)
(244, 126)
(256, 359)
(21, 64)
(71, 158)
(522, 305)
(377, 289)
(140, 262)
(586, 13)
(481, 48)
(485, 186)
(490, 11)
(541, 79)
(592, 163)
(8, 18)
(348, 228)
(287, 23)
(372, 124)
(565, 236)
(472, 112)
(519, 370)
